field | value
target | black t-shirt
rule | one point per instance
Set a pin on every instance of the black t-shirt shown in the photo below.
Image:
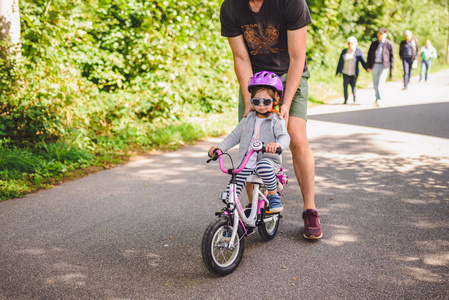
(408, 50)
(265, 32)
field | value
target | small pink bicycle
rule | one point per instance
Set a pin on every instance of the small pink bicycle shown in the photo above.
(223, 243)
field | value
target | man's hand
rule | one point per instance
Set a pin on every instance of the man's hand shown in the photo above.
(368, 70)
(271, 147)
(284, 113)
(248, 109)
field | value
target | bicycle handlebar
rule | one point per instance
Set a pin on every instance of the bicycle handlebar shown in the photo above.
(218, 155)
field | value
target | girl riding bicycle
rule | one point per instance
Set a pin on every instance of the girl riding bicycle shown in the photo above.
(262, 124)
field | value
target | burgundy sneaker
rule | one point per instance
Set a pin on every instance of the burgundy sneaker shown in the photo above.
(312, 226)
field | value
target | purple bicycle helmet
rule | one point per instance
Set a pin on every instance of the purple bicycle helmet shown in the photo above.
(266, 78)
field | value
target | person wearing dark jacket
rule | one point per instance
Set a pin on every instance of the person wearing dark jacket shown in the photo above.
(348, 65)
(408, 50)
(380, 61)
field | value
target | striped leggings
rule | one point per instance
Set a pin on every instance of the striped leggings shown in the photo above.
(264, 169)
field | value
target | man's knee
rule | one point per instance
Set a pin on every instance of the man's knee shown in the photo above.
(297, 131)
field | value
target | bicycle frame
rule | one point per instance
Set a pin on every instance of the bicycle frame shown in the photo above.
(234, 202)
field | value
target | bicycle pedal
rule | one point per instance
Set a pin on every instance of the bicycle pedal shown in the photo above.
(273, 213)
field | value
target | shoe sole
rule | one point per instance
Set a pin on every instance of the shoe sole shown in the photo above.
(312, 237)
(276, 210)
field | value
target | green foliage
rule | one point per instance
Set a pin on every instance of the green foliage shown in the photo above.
(91, 73)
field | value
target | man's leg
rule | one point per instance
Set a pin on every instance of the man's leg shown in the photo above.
(304, 166)
(423, 67)
(382, 80)
(353, 82)
(345, 87)
(376, 71)
(409, 70)
(406, 66)
(303, 161)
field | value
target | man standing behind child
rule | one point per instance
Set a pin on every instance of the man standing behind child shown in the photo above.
(271, 35)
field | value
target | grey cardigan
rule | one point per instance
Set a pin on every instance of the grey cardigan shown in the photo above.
(272, 130)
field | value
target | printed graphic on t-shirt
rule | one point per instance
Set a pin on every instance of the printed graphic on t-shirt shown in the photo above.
(256, 134)
(259, 42)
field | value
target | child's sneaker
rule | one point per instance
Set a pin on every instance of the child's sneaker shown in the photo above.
(275, 203)
(312, 226)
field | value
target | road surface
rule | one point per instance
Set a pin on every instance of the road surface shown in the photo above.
(134, 232)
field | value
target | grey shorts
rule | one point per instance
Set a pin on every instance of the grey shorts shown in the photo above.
(298, 107)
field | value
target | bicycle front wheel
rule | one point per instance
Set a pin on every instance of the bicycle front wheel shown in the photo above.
(217, 256)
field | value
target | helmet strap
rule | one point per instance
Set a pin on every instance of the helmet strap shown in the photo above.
(264, 114)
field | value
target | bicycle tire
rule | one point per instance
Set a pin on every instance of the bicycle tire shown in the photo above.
(217, 258)
(268, 231)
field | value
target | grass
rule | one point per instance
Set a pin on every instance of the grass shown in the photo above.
(26, 170)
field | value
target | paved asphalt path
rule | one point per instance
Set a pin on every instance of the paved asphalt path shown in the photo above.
(134, 232)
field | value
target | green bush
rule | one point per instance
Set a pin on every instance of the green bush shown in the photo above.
(111, 71)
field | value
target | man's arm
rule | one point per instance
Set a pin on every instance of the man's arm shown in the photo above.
(297, 51)
(242, 68)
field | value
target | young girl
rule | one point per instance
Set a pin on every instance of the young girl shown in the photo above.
(261, 124)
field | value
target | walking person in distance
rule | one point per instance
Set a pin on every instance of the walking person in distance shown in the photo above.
(348, 65)
(408, 49)
(380, 62)
(428, 53)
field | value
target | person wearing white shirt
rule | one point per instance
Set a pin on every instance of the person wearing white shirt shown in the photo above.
(427, 53)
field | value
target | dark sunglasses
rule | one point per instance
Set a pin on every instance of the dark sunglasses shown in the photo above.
(257, 101)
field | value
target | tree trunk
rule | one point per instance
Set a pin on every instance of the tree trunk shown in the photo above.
(10, 27)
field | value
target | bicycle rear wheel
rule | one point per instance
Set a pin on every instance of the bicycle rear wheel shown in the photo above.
(269, 229)
(218, 258)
